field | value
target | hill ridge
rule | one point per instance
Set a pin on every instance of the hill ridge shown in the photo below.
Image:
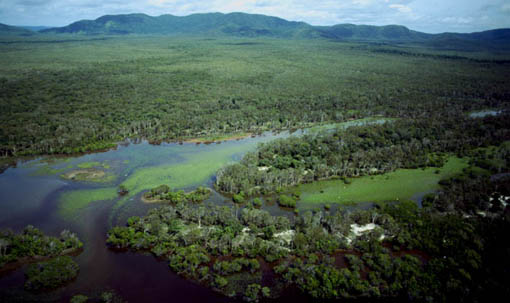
(239, 24)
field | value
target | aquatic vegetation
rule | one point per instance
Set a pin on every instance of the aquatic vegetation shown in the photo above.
(31, 245)
(51, 274)
(48, 170)
(72, 201)
(402, 184)
(89, 164)
(195, 169)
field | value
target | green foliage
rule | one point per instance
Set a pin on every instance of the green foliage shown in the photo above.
(32, 243)
(162, 193)
(88, 99)
(51, 274)
(286, 201)
(238, 198)
(79, 299)
(257, 202)
(186, 260)
(380, 151)
(252, 293)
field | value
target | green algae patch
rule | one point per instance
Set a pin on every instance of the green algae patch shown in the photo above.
(47, 170)
(401, 184)
(73, 201)
(50, 169)
(195, 169)
(89, 164)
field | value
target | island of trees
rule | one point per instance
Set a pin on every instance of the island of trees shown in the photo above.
(50, 264)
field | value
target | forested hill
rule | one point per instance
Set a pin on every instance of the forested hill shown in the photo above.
(7, 30)
(234, 24)
(252, 25)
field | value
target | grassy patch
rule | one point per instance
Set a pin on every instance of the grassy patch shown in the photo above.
(73, 201)
(401, 184)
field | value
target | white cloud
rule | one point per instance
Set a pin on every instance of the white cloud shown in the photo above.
(458, 20)
(401, 8)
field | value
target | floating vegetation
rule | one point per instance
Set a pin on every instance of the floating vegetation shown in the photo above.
(72, 201)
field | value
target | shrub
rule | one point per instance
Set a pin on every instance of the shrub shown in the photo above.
(257, 202)
(286, 201)
(51, 274)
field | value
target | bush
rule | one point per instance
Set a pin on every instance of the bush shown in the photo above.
(79, 299)
(51, 274)
(257, 202)
(286, 201)
(238, 198)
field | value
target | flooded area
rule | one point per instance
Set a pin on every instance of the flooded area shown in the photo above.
(41, 193)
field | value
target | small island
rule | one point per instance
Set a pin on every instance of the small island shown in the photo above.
(163, 193)
(31, 246)
(86, 174)
(51, 274)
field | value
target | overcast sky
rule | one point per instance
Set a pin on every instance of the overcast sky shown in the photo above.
(424, 15)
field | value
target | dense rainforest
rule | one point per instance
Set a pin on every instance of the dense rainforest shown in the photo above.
(68, 101)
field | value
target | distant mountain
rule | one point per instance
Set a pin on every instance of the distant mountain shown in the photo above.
(234, 24)
(34, 28)
(251, 25)
(7, 30)
(369, 32)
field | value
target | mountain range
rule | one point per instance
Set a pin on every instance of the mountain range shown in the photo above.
(253, 25)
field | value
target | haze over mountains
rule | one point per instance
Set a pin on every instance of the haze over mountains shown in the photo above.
(251, 25)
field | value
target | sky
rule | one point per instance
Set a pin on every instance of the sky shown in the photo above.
(431, 16)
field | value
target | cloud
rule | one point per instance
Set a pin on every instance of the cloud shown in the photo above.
(506, 8)
(401, 8)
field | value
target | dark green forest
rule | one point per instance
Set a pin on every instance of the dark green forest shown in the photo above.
(68, 96)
